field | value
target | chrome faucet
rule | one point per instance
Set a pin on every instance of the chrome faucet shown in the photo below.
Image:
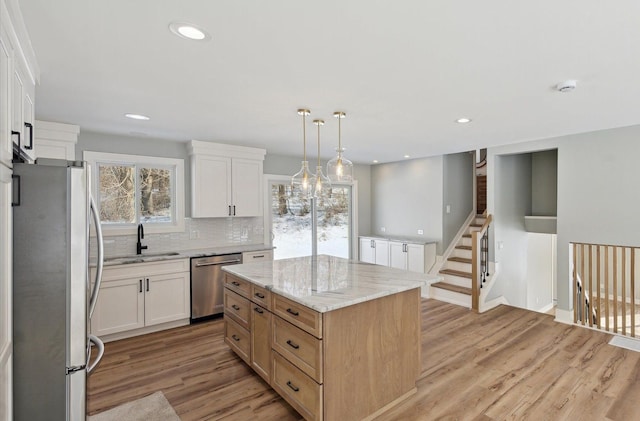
(139, 246)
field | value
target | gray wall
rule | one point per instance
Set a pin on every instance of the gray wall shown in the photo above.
(597, 199)
(513, 202)
(407, 196)
(457, 193)
(544, 183)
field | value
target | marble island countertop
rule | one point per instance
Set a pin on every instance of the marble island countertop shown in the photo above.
(329, 282)
(149, 256)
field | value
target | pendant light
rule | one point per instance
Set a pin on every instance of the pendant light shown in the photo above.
(321, 181)
(302, 180)
(340, 169)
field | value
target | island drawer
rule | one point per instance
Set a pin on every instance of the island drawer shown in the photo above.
(240, 286)
(300, 390)
(299, 315)
(238, 339)
(299, 347)
(262, 296)
(236, 307)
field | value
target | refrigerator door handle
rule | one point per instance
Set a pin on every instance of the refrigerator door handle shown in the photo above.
(96, 286)
(98, 343)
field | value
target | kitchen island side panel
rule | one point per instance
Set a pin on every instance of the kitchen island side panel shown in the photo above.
(371, 355)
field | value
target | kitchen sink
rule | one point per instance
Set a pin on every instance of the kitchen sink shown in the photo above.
(140, 257)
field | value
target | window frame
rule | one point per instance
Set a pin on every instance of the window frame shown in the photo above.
(176, 165)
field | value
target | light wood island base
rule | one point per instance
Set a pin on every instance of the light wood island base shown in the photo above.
(351, 363)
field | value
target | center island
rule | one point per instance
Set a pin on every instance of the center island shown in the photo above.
(337, 339)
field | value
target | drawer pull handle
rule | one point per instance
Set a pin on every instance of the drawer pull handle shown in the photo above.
(235, 307)
(259, 295)
(294, 388)
(258, 256)
(293, 344)
(236, 283)
(235, 338)
(295, 313)
(259, 310)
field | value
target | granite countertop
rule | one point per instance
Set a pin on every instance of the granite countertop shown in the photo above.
(147, 257)
(329, 282)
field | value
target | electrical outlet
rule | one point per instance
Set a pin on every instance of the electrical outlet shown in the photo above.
(420, 232)
(383, 229)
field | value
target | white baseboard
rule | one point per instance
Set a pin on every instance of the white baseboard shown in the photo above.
(564, 316)
(492, 304)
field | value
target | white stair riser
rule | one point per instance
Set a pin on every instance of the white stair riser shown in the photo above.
(464, 241)
(456, 280)
(472, 229)
(461, 253)
(464, 267)
(450, 297)
(479, 221)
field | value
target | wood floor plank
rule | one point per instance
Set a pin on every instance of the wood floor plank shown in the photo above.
(507, 363)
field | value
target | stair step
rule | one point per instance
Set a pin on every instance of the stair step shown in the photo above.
(460, 259)
(454, 288)
(456, 273)
(469, 248)
(466, 236)
(476, 225)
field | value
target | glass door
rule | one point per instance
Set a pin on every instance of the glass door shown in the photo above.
(291, 221)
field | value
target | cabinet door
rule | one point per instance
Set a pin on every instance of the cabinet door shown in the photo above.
(211, 188)
(367, 253)
(120, 307)
(382, 252)
(17, 122)
(166, 298)
(6, 144)
(415, 258)
(6, 312)
(397, 255)
(247, 187)
(261, 341)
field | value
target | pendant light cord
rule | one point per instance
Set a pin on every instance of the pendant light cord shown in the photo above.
(319, 143)
(304, 136)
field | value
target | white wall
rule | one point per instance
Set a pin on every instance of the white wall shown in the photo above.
(406, 197)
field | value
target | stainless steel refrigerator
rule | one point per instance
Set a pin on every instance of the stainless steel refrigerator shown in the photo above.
(53, 296)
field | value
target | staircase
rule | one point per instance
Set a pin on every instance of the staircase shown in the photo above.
(456, 287)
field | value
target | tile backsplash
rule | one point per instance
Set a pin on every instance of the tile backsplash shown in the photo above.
(199, 233)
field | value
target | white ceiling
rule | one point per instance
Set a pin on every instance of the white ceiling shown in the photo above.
(403, 71)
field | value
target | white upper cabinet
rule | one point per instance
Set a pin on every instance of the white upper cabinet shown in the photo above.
(226, 180)
(6, 75)
(18, 77)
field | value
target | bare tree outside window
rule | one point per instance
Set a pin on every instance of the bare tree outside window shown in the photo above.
(117, 193)
(155, 195)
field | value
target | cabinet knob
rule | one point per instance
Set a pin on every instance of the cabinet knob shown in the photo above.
(235, 307)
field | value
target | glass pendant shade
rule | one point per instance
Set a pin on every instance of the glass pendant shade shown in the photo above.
(320, 181)
(340, 169)
(302, 181)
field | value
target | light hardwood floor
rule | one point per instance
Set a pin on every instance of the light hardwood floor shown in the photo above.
(507, 363)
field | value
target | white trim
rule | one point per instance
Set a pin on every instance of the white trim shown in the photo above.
(625, 342)
(197, 147)
(564, 316)
(178, 184)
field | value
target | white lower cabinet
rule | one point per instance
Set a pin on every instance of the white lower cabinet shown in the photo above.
(414, 257)
(134, 297)
(374, 250)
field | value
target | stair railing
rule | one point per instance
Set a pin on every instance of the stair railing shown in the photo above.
(479, 261)
(605, 294)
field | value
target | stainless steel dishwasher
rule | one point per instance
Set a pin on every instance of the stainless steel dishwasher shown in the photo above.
(207, 284)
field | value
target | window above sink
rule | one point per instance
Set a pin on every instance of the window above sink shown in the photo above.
(134, 189)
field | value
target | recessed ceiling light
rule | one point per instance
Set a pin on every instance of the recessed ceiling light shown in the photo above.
(407, 156)
(463, 120)
(137, 116)
(375, 161)
(189, 31)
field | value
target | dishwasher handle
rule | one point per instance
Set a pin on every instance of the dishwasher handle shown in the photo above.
(225, 262)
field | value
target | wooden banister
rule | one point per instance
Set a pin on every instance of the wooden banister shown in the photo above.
(476, 270)
(604, 287)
